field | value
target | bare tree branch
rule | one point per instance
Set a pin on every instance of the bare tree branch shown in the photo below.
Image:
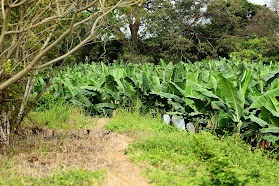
(41, 20)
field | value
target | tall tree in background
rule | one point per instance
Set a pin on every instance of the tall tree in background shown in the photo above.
(181, 30)
(31, 31)
(164, 29)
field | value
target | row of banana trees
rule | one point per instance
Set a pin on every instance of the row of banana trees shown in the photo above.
(227, 95)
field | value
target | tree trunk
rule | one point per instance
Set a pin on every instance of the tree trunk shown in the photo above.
(134, 29)
(6, 125)
(4, 128)
(28, 89)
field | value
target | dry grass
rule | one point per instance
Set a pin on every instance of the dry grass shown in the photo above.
(41, 151)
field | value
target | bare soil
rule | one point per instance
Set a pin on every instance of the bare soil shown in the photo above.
(42, 151)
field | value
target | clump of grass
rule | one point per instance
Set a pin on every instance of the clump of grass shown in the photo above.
(129, 120)
(173, 157)
(68, 177)
(60, 116)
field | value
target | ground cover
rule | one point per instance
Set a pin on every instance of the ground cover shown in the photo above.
(176, 157)
(88, 154)
(64, 146)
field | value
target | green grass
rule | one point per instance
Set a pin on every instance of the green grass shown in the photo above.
(69, 177)
(130, 121)
(179, 158)
(60, 116)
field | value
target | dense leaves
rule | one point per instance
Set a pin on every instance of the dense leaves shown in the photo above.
(228, 95)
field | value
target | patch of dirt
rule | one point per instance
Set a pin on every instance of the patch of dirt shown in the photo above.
(121, 170)
(42, 151)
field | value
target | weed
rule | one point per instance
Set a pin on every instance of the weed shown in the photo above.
(69, 177)
(60, 116)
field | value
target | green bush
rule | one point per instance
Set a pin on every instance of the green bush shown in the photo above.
(254, 48)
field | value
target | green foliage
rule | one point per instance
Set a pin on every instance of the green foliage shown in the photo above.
(69, 177)
(232, 94)
(254, 49)
(172, 157)
(59, 116)
(190, 30)
(122, 122)
(47, 101)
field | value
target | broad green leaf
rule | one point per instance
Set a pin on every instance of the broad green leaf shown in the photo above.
(270, 130)
(273, 116)
(192, 76)
(275, 103)
(163, 64)
(105, 69)
(203, 91)
(105, 105)
(270, 75)
(176, 89)
(168, 72)
(168, 96)
(146, 83)
(271, 138)
(257, 120)
(233, 96)
(110, 83)
(224, 120)
(156, 83)
(261, 101)
(246, 82)
(212, 83)
(118, 73)
(164, 87)
(137, 101)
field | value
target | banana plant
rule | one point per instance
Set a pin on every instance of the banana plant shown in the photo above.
(244, 95)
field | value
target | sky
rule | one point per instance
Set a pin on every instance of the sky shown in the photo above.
(259, 2)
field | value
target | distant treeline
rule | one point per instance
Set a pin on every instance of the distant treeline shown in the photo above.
(186, 30)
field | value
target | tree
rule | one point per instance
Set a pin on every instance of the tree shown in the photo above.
(31, 33)
(183, 29)
(164, 29)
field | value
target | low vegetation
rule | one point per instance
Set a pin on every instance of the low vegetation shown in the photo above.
(60, 115)
(69, 177)
(172, 157)
(55, 148)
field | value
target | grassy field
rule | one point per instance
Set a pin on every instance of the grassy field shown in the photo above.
(172, 157)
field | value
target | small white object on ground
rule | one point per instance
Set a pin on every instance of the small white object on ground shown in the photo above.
(191, 128)
(179, 123)
(166, 118)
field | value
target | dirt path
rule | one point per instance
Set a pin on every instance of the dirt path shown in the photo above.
(42, 151)
(120, 170)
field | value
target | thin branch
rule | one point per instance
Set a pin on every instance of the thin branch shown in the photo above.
(31, 66)
(80, 44)
(88, 6)
(50, 19)
(18, 4)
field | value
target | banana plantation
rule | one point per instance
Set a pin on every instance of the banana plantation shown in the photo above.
(225, 96)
